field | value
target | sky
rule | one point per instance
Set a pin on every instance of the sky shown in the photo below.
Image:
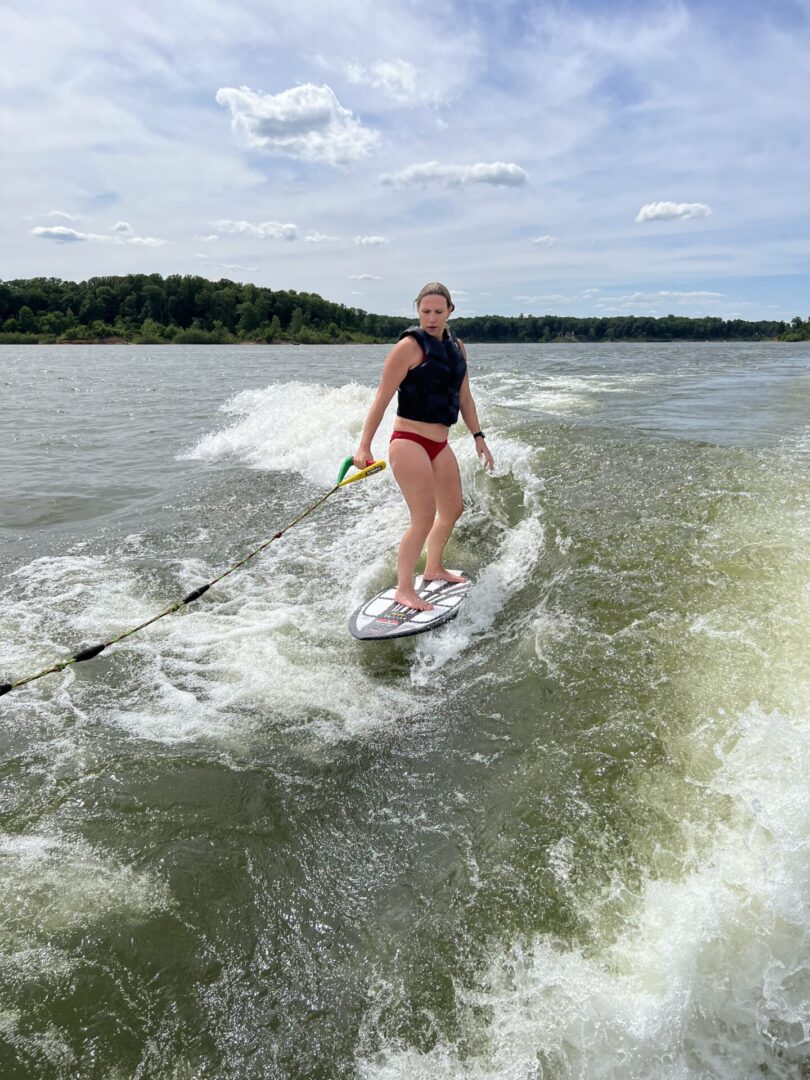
(568, 158)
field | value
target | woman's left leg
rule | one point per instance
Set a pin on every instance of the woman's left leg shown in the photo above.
(449, 507)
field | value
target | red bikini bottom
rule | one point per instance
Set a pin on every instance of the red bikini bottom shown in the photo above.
(430, 446)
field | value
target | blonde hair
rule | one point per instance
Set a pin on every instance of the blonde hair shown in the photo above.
(434, 288)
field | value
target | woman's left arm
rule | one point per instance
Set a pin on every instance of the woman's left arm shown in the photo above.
(469, 415)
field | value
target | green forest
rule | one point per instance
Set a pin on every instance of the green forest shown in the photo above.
(188, 309)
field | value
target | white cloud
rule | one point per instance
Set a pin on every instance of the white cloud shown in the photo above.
(651, 303)
(498, 173)
(265, 230)
(63, 235)
(320, 238)
(306, 122)
(549, 298)
(142, 241)
(545, 241)
(225, 266)
(212, 238)
(397, 79)
(697, 294)
(668, 294)
(636, 299)
(371, 241)
(62, 215)
(123, 231)
(364, 277)
(667, 211)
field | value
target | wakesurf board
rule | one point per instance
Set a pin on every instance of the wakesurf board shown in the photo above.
(382, 618)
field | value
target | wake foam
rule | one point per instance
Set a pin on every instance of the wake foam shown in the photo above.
(709, 978)
(294, 427)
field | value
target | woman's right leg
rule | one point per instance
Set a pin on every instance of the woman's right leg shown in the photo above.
(412, 469)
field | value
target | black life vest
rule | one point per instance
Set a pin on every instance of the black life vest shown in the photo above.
(430, 392)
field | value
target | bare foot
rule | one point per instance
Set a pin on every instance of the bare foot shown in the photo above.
(409, 599)
(443, 575)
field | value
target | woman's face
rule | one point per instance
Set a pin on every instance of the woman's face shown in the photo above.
(434, 312)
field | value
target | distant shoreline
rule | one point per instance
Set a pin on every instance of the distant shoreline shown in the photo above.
(147, 309)
(468, 340)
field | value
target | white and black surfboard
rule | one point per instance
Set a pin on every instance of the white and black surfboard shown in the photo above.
(381, 617)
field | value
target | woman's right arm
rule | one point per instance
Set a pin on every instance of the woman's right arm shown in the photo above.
(404, 355)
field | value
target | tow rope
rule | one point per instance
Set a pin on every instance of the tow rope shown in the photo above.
(195, 594)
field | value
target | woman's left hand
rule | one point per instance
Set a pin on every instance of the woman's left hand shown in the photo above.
(483, 453)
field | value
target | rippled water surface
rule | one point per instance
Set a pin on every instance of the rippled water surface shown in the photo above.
(565, 836)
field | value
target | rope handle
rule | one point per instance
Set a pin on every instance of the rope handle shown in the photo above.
(369, 470)
(94, 650)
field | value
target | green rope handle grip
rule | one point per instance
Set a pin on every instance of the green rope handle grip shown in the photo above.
(367, 471)
(344, 468)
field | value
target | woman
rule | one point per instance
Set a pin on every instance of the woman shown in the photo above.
(428, 366)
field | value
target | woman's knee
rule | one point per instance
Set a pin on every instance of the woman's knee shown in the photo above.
(451, 510)
(422, 518)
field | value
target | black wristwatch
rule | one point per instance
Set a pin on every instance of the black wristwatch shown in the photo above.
(479, 435)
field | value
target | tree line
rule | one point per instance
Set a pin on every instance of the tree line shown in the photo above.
(547, 328)
(799, 330)
(150, 309)
(188, 309)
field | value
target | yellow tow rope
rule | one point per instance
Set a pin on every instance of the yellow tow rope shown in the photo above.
(94, 650)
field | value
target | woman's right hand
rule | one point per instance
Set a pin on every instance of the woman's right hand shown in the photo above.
(362, 457)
